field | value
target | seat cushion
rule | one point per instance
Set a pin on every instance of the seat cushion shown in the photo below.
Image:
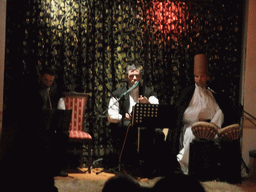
(79, 135)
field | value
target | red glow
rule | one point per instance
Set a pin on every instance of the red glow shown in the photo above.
(167, 16)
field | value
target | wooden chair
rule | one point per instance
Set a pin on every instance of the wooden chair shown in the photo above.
(77, 103)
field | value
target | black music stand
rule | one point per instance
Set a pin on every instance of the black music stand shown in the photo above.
(144, 115)
(57, 119)
(60, 120)
(152, 115)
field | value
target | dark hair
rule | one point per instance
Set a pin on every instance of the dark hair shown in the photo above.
(121, 182)
(178, 182)
(48, 70)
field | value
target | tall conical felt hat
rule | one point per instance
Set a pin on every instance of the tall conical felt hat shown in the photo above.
(200, 64)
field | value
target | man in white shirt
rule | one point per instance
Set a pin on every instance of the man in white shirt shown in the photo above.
(197, 103)
(133, 75)
(119, 114)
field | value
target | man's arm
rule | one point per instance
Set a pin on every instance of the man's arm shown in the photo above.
(149, 96)
(113, 111)
(61, 104)
(151, 100)
(218, 118)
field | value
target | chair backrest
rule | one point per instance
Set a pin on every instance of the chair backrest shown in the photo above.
(77, 103)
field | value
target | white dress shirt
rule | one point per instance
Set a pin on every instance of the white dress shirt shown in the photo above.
(61, 104)
(113, 108)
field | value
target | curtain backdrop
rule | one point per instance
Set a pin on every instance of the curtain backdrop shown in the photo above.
(91, 42)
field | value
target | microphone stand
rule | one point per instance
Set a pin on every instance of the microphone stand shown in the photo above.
(250, 116)
(122, 111)
(243, 163)
(122, 95)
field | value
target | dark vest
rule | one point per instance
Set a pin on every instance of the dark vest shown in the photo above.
(124, 102)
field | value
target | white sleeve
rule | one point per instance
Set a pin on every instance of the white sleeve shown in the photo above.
(61, 104)
(113, 111)
(218, 118)
(153, 100)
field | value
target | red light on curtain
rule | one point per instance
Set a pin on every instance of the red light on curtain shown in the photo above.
(167, 16)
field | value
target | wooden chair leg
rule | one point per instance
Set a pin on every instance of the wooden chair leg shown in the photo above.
(82, 155)
(89, 161)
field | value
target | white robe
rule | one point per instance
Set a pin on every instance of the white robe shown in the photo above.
(201, 106)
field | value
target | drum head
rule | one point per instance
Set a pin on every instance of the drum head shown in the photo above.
(229, 133)
(204, 130)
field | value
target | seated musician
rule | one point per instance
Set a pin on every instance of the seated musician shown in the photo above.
(28, 136)
(48, 90)
(198, 103)
(119, 114)
(51, 99)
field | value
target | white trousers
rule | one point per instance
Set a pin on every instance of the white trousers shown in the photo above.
(183, 156)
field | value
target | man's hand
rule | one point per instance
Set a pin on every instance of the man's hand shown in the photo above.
(127, 117)
(215, 125)
(143, 99)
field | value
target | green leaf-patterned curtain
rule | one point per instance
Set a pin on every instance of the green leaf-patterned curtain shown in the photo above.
(91, 42)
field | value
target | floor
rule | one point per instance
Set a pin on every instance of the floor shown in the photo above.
(248, 184)
(96, 174)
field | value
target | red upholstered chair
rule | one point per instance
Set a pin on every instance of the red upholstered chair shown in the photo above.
(77, 102)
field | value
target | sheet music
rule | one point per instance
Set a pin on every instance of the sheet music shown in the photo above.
(143, 114)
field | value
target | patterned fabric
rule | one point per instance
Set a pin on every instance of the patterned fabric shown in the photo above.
(91, 42)
(77, 104)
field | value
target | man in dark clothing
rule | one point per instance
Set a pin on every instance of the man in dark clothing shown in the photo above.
(51, 99)
(48, 90)
(119, 114)
(24, 147)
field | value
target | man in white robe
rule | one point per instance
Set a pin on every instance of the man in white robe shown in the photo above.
(197, 102)
(202, 107)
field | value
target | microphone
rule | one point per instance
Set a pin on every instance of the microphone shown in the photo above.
(135, 85)
(123, 94)
(211, 90)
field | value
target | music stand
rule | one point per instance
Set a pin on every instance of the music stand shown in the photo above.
(144, 115)
(60, 120)
(57, 119)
